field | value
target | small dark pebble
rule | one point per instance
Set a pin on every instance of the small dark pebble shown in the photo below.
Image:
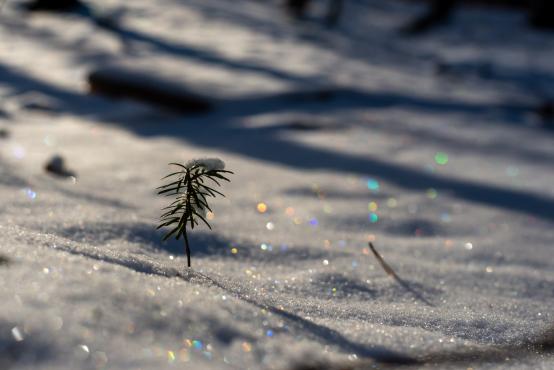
(56, 166)
(4, 260)
(4, 134)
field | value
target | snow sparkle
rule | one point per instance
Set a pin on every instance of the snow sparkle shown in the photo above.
(30, 193)
(18, 152)
(246, 347)
(197, 344)
(289, 211)
(441, 158)
(431, 193)
(16, 333)
(512, 171)
(373, 217)
(373, 184)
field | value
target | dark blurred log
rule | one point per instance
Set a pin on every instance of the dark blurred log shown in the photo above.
(53, 5)
(123, 83)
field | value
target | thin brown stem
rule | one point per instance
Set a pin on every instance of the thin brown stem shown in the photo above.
(397, 278)
(187, 248)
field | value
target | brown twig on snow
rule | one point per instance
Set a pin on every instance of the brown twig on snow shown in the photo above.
(395, 276)
(384, 265)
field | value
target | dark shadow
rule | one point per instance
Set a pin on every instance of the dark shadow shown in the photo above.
(94, 198)
(310, 126)
(268, 144)
(528, 79)
(517, 260)
(439, 13)
(336, 99)
(410, 287)
(415, 227)
(308, 328)
(9, 178)
(203, 244)
(4, 114)
(496, 147)
(325, 193)
(409, 227)
(128, 36)
(68, 101)
(339, 286)
(30, 349)
(542, 345)
(318, 332)
(4, 260)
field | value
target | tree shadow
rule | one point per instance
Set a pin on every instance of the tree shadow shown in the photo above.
(328, 193)
(94, 198)
(339, 286)
(17, 349)
(203, 244)
(310, 329)
(270, 145)
(496, 147)
(9, 178)
(517, 76)
(537, 347)
(128, 36)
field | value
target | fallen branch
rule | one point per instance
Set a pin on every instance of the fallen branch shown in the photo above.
(136, 85)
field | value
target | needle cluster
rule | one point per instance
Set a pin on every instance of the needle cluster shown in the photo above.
(191, 186)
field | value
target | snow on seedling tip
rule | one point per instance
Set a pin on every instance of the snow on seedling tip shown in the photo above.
(193, 183)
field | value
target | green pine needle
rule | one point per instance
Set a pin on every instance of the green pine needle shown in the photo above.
(190, 188)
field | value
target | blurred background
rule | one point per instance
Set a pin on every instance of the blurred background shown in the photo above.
(422, 126)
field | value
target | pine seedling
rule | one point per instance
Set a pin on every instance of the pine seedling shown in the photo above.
(193, 184)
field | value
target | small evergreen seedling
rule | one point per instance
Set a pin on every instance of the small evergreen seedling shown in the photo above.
(194, 184)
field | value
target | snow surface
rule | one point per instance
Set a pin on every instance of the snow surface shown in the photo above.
(86, 283)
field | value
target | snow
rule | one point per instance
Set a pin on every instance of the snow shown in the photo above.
(341, 134)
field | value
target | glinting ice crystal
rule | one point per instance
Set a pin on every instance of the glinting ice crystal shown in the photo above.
(195, 182)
